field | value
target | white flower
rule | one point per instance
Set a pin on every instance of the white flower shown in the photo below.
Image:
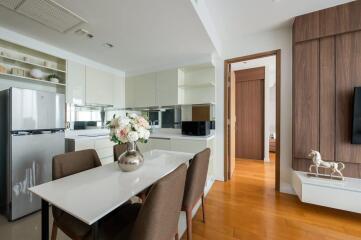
(133, 136)
(141, 132)
(132, 115)
(146, 135)
(123, 122)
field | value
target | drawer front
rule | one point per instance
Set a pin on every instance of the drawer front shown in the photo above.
(105, 152)
(84, 144)
(160, 143)
(188, 146)
(103, 143)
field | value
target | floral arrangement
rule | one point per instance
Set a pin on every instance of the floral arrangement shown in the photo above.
(131, 128)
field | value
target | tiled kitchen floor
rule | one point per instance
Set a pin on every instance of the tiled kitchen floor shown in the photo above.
(27, 228)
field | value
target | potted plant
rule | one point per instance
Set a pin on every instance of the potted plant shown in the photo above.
(129, 130)
(53, 78)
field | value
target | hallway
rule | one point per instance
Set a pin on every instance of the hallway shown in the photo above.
(247, 207)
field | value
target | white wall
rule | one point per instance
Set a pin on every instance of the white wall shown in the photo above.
(262, 42)
(218, 63)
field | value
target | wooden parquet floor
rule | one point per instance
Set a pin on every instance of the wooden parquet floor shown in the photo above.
(247, 207)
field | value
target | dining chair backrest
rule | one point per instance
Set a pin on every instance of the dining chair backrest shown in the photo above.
(158, 217)
(74, 162)
(118, 150)
(196, 178)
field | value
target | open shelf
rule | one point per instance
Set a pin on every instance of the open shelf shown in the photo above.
(199, 85)
(22, 62)
(30, 78)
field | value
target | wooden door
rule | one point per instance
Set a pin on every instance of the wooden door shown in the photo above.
(250, 113)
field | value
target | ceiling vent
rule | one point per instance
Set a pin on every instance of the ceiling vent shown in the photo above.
(12, 4)
(46, 12)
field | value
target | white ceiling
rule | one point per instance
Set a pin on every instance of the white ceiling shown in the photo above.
(146, 34)
(234, 19)
(151, 35)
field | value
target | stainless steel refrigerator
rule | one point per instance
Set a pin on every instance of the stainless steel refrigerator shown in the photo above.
(32, 132)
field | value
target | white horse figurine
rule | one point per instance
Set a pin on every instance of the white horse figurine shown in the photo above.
(336, 167)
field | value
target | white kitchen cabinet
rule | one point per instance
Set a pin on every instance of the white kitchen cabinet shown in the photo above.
(140, 91)
(167, 87)
(145, 90)
(160, 143)
(129, 92)
(154, 143)
(145, 147)
(189, 85)
(194, 146)
(99, 87)
(118, 91)
(103, 147)
(75, 84)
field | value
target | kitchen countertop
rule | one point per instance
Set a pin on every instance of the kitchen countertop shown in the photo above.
(160, 134)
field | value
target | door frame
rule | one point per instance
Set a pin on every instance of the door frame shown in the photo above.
(227, 103)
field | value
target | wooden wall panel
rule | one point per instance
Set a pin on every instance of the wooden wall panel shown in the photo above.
(306, 27)
(348, 76)
(348, 17)
(328, 22)
(340, 19)
(306, 98)
(327, 98)
(326, 68)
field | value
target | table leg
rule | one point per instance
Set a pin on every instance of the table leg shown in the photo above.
(95, 231)
(44, 220)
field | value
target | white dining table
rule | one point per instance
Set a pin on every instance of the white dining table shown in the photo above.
(92, 194)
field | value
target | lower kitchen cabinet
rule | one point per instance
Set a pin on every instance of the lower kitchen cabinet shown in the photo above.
(103, 147)
(195, 146)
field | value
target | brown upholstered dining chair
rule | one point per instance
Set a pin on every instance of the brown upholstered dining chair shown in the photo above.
(65, 165)
(194, 188)
(156, 219)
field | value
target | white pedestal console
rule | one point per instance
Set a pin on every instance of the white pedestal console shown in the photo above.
(344, 195)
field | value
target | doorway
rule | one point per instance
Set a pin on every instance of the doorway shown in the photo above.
(250, 127)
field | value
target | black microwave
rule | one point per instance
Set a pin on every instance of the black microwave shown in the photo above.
(196, 128)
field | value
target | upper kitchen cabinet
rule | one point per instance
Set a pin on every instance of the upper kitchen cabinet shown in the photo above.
(118, 91)
(189, 85)
(99, 87)
(75, 86)
(167, 87)
(140, 91)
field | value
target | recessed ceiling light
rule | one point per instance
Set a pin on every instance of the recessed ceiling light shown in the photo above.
(108, 45)
(276, 1)
(84, 32)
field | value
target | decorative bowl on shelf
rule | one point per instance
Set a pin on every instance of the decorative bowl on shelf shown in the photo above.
(53, 78)
(36, 73)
